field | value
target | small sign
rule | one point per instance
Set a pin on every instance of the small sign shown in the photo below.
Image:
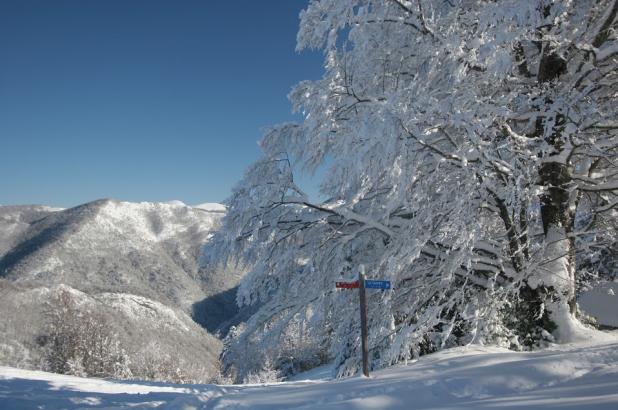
(377, 284)
(347, 285)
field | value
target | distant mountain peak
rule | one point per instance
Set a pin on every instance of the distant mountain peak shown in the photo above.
(210, 207)
(149, 247)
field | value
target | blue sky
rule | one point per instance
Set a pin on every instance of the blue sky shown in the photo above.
(141, 100)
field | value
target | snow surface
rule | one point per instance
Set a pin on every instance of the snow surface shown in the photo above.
(574, 376)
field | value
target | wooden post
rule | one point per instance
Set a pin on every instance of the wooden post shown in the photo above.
(363, 315)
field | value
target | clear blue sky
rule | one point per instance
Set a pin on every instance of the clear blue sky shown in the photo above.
(141, 100)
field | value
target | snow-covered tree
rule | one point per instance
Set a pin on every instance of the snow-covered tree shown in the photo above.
(81, 342)
(471, 153)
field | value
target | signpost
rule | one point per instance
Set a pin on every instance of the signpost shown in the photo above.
(361, 284)
(377, 284)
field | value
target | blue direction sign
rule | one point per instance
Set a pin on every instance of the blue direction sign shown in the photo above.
(377, 284)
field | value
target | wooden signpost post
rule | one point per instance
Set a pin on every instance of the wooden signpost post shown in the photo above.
(361, 284)
(363, 318)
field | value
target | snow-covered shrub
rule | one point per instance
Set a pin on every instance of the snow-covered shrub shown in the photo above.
(15, 354)
(81, 342)
(267, 374)
(152, 362)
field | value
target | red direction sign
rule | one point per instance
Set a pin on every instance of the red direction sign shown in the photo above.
(347, 285)
(369, 284)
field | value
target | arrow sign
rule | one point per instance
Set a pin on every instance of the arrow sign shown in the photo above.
(377, 284)
(369, 284)
(347, 285)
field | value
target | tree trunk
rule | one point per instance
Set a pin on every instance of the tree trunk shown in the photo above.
(548, 298)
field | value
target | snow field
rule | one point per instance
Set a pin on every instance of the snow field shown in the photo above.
(574, 376)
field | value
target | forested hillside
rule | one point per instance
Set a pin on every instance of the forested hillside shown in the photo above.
(121, 279)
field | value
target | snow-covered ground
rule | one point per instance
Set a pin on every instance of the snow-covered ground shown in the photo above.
(575, 376)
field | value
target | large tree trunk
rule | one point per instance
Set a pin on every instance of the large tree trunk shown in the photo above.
(552, 287)
(548, 298)
(558, 223)
(557, 271)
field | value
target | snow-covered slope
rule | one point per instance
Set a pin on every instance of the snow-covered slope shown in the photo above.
(136, 262)
(15, 220)
(152, 334)
(577, 376)
(150, 249)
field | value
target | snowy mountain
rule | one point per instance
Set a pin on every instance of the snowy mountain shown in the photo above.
(148, 249)
(210, 207)
(135, 263)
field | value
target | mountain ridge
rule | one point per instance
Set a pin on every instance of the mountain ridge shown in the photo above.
(110, 255)
(109, 237)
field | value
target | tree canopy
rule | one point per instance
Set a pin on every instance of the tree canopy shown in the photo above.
(471, 152)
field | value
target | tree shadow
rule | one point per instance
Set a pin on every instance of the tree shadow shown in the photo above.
(218, 313)
(27, 394)
(216, 310)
